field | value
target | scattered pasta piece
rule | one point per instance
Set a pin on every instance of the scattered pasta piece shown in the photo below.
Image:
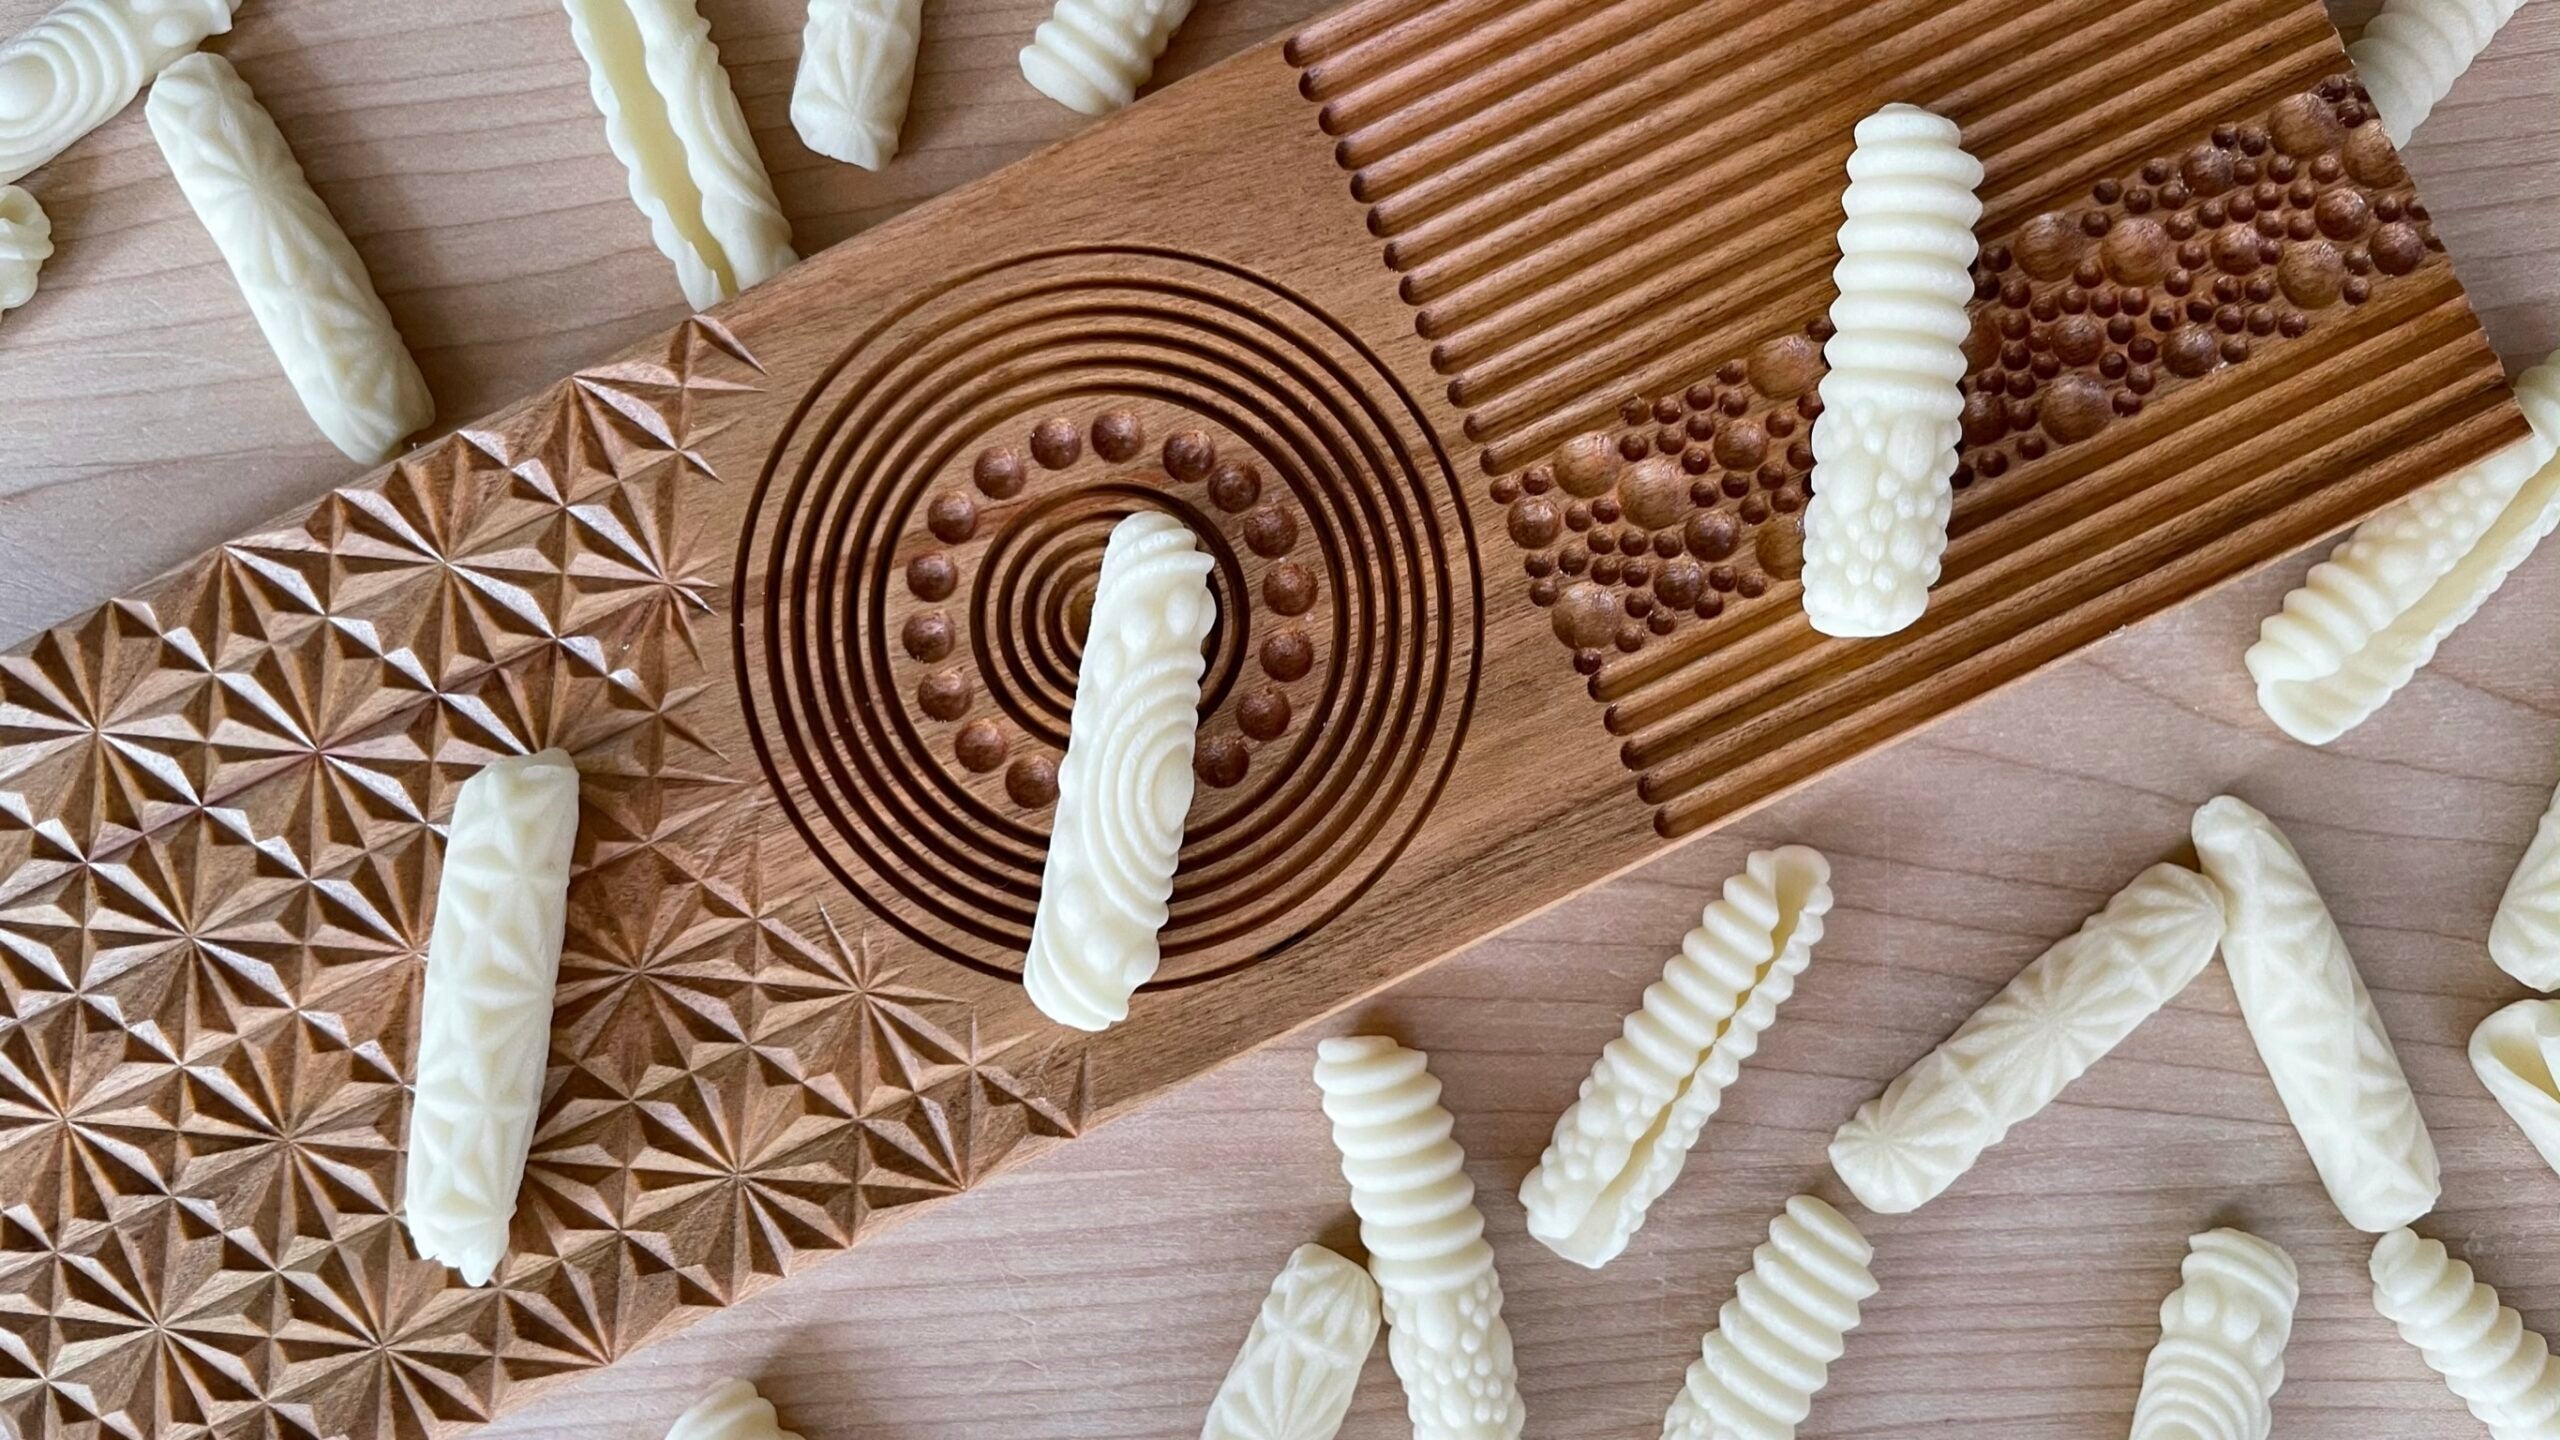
(2314, 1025)
(2371, 615)
(2214, 1373)
(83, 61)
(1092, 55)
(1774, 1341)
(2064, 1012)
(1619, 1146)
(484, 1032)
(674, 123)
(2516, 1054)
(304, 282)
(732, 1411)
(1125, 782)
(2525, 937)
(857, 63)
(1426, 1240)
(1884, 447)
(1294, 1378)
(2503, 1372)
(2411, 53)
(26, 242)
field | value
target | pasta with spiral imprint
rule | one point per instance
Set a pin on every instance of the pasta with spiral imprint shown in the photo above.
(1092, 55)
(2214, 1373)
(1623, 1142)
(1426, 1242)
(1774, 1341)
(83, 61)
(2411, 53)
(1884, 447)
(732, 1411)
(2503, 1372)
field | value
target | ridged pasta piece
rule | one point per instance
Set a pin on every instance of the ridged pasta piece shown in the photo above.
(2524, 938)
(2516, 1054)
(2058, 1017)
(732, 1411)
(1620, 1145)
(304, 282)
(2371, 615)
(26, 242)
(1294, 1378)
(1884, 447)
(1757, 1372)
(674, 123)
(857, 65)
(484, 1029)
(2411, 53)
(83, 61)
(2314, 1025)
(1425, 1237)
(2214, 1373)
(1125, 782)
(2503, 1372)
(1092, 55)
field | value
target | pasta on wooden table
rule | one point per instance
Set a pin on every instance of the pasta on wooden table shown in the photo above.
(1623, 1142)
(732, 1411)
(1758, 1370)
(2411, 53)
(2213, 1374)
(2503, 1372)
(63, 76)
(1092, 55)
(2516, 1054)
(857, 64)
(26, 242)
(2524, 937)
(1300, 1364)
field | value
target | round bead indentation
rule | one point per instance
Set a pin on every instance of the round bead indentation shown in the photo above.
(2397, 248)
(1032, 782)
(1585, 616)
(1221, 761)
(1188, 455)
(2075, 407)
(1289, 589)
(932, 576)
(2078, 339)
(1587, 465)
(1741, 445)
(2207, 170)
(1264, 714)
(980, 746)
(1712, 534)
(999, 472)
(2188, 351)
(1056, 443)
(2370, 158)
(952, 518)
(2311, 274)
(1780, 548)
(944, 694)
(1653, 493)
(2049, 247)
(1118, 436)
(926, 636)
(1287, 654)
(2137, 252)
(1535, 522)
(1234, 485)
(1786, 367)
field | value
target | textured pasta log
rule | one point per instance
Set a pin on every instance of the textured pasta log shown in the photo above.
(1426, 1240)
(2214, 1373)
(484, 1034)
(2371, 615)
(2525, 937)
(1092, 55)
(1124, 784)
(2516, 1054)
(2065, 1011)
(1774, 1341)
(63, 76)
(674, 123)
(1619, 1146)
(2314, 1025)
(2503, 1371)
(26, 242)
(732, 1411)
(1884, 447)
(1294, 1378)
(857, 63)
(2410, 55)
(304, 282)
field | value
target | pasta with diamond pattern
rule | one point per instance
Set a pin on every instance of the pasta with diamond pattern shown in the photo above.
(1294, 1378)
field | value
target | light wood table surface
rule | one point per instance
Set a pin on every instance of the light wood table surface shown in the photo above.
(1102, 1290)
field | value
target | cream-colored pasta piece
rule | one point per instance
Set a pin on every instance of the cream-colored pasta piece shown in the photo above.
(2524, 938)
(732, 1411)
(1294, 1378)
(1125, 783)
(2314, 1025)
(2516, 1054)
(484, 1029)
(304, 282)
(1884, 447)
(2371, 615)
(2213, 1375)
(674, 123)
(2058, 1017)
(2503, 1372)
(857, 64)
(1774, 1341)
(26, 242)
(83, 61)
(2411, 53)
(1092, 55)
(1620, 1145)
(1426, 1243)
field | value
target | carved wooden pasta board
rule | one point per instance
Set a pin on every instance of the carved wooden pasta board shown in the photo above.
(800, 585)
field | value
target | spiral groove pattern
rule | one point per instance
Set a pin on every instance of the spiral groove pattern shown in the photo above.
(1092, 55)
(2503, 1372)
(26, 242)
(63, 76)
(1884, 447)
(1757, 1372)
(2213, 1375)
(1425, 1238)
(2410, 55)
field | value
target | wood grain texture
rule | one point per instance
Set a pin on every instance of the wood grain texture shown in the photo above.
(1973, 848)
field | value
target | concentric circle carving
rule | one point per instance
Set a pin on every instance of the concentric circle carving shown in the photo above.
(918, 568)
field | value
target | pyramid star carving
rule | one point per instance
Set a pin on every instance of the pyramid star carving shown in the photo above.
(89, 1113)
(92, 729)
(150, 1328)
(381, 1346)
(296, 1132)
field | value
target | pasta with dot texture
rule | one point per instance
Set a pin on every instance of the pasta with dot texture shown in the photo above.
(2371, 615)
(1092, 55)
(1294, 1378)
(1884, 447)
(2220, 1358)
(2503, 1372)
(732, 1411)
(1426, 1243)
(1623, 1142)
(1774, 1341)
(2411, 53)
